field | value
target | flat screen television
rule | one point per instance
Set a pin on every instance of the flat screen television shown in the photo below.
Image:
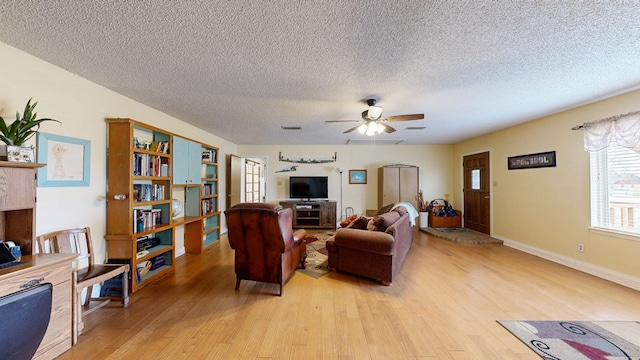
(308, 187)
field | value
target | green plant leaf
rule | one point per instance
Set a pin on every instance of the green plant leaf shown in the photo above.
(23, 128)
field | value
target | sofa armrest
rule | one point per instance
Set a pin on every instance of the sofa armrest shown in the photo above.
(365, 240)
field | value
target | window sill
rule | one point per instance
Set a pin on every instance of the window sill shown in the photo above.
(615, 233)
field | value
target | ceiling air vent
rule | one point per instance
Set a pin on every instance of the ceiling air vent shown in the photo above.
(291, 127)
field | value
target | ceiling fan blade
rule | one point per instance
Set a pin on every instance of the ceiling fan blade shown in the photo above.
(406, 117)
(388, 129)
(352, 129)
(337, 121)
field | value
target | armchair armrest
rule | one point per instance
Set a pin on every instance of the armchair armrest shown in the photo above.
(299, 234)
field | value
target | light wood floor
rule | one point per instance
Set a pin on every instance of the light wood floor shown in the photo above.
(443, 305)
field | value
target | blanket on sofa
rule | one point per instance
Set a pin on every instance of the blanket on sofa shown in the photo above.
(413, 213)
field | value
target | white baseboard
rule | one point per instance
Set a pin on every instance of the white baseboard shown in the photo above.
(604, 273)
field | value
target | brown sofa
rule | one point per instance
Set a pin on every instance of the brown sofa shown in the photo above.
(376, 252)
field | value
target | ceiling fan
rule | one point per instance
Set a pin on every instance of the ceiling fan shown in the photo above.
(373, 123)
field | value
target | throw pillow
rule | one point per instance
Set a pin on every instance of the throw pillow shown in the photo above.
(348, 220)
(385, 209)
(359, 223)
(382, 222)
(371, 226)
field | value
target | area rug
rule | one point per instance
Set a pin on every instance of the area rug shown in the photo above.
(461, 235)
(605, 340)
(317, 259)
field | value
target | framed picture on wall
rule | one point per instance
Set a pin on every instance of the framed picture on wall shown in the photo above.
(530, 161)
(67, 160)
(357, 176)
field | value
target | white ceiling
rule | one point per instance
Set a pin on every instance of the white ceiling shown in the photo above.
(242, 69)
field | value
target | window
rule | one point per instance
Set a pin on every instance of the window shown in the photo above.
(615, 189)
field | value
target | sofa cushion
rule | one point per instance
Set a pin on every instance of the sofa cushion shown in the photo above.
(385, 209)
(383, 221)
(401, 210)
(366, 241)
(359, 223)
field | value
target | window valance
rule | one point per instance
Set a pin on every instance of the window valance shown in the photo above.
(623, 129)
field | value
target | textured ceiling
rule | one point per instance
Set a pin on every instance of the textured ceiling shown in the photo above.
(243, 69)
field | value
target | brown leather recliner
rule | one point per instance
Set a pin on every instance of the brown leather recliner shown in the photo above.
(266, 247)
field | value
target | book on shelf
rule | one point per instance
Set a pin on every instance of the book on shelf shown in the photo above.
(157, 262)
(150, 165)
(148, 192)
(209, 155)
(160, 146)
(146, 219)
(207, 189)
(207, 206)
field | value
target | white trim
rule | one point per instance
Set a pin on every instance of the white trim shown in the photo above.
(180, 251)
(614, 233)
(598, 271)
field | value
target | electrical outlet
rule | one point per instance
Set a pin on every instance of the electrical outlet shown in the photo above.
(581, 247)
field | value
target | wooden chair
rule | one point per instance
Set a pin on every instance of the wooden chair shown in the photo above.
(86, 273)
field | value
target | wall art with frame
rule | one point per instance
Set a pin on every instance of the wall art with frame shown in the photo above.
(67, 159)
(530, 161)
(357, 176)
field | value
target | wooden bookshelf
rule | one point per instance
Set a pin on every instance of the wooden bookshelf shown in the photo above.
(133, 164)
(203, 235)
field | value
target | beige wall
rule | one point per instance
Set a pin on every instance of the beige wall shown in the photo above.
(81, 106)
(548, 208)
(539, 209)
(434, 162)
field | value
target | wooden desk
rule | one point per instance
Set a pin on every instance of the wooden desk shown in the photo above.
(54, 269)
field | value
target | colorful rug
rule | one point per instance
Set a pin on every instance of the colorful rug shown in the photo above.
(461, 235)
(605, 340)
(317, 259)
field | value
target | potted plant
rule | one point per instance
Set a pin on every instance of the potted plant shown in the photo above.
(21, 130)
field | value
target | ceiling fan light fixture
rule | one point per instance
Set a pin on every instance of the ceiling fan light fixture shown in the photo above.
(374, 112)
(372, 128)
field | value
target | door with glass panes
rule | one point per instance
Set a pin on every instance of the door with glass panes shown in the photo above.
(477, 204)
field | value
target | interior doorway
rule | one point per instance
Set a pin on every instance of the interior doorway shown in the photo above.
(246, 182)
(476, 192)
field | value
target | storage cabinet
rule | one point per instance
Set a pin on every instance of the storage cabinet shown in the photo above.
(18, 203)
(397, 183)
(312, 214)
(186, 168)
(139, 186)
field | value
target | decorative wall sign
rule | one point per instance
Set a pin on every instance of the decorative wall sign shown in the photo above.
(67, 160)
(544, 159)
(309, 160)
(290, 168)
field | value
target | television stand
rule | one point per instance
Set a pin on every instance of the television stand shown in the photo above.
(312, 214)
